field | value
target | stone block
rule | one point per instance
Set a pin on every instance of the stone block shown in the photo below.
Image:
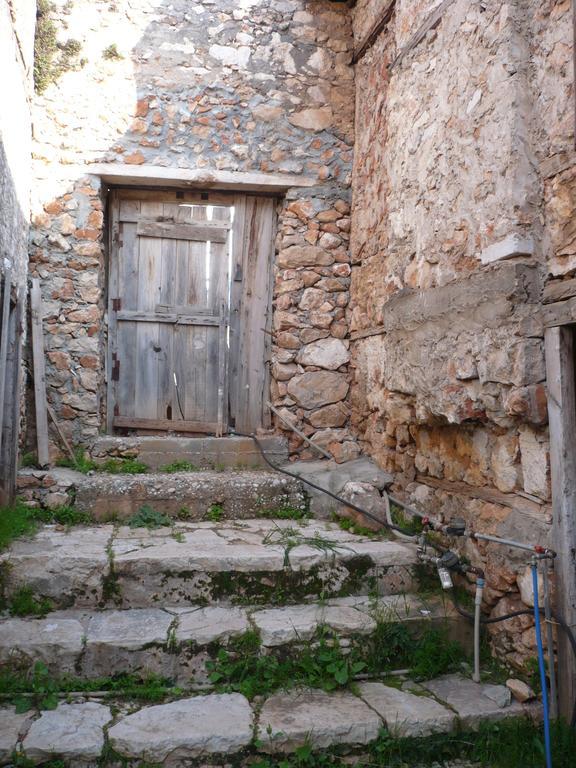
(406, 714)
(13, 728)
(185, 729)
(74, 732)
(56, 642)
(290, 720)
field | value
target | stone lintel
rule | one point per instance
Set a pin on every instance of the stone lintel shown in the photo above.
(497, 291)
(155, 176)
(510, 246)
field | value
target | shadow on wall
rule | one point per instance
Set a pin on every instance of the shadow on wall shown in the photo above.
(229, 86)
(13, 237)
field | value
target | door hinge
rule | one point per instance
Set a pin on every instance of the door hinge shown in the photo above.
(116, 370)
(116, 305)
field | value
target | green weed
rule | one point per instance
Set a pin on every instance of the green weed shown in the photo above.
(147, 517)
(286, 513)
(345, 524)
(215, 513)
(15, 521)
(62, 515)
(123, 467)
(434, 654)
(23, 602)
(408, 523)
(81, 462)
(111, 52)
(29, 460)
(179, 466)
(51, 58)
(290, 538)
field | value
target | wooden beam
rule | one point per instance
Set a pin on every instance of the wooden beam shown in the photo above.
(374, 32)
(514, 501)
(559, 290)
(432, 21)
(367, 332)
(4, 322)
(169, 231)
(560, 349)
(39, 374)
(130, 422)
(154, 176)
(559, 313)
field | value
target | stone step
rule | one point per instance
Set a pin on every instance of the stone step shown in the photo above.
(244, 562)
(176, 643)
(218, 727)
(183, 495)
(203, 452)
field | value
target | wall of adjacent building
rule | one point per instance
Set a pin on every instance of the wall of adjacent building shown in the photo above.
(16, 63)
(455, 230)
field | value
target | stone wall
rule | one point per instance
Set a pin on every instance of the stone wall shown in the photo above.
(237, 86)
(16, 61)
(455, 229)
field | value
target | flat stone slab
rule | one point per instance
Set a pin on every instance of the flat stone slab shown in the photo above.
(126, 641)
(202, 452)
(56, 642)
(185, 729)
(406, 714)
(66, 566)
(71, 731)
(474, 702)
(279, 626)
(13, 728)
(290, 720)
(211, 624)
(240, 494)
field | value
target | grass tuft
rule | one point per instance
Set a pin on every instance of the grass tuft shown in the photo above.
(123, 467)
(147, 517)
(179, 466)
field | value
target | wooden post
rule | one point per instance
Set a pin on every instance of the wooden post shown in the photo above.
(559, 347)
(39, 374)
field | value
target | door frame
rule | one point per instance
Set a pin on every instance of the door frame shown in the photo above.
(250, 310)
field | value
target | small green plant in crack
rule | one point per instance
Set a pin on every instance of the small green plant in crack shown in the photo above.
(111, 52)
(23, 602)
(215, 513)
(123, 467)
(43, 690)
(81, 462)
(148, 517)
(65, 514)
(345, 524)
(285, 513)
(408, 523)
(289, 538)
(178, 466)
(29, 459)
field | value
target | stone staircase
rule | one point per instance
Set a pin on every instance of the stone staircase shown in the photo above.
(164, 601)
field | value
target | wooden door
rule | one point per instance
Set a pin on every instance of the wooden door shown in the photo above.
(168, 312)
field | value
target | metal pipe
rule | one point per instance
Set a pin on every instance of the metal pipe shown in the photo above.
(508, 542)
(550, 644)
(541, 664)
(477, 616)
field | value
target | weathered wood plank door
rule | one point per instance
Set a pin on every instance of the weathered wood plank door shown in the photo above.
(168, 312)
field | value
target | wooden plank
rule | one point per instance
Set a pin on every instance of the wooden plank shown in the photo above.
(560, 313)
(163, 317)
(514, 501)
(252, 377)
(560, 351)
(180, 198)
(166, 424)
(112, 330)
(181, 231)
(12, 397)
(4, 323)
(367, 332)
(374, 32)
(430, 23)
(152, 175)
(236, 287)
(126, 269)
(39, 374)
(559, 290)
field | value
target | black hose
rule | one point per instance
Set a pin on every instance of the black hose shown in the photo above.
(355, 507)
(524, 612)
(385, 524)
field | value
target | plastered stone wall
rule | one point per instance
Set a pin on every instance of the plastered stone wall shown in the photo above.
(16, 61)
(253, 85)
(456, 227)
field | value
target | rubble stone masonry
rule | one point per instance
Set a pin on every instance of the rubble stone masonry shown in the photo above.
(455, 229)
(253, 85)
